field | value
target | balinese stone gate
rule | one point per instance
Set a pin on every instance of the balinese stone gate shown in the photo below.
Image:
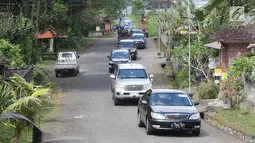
(234, 43)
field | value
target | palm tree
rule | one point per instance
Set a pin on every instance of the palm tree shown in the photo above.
(24, 98)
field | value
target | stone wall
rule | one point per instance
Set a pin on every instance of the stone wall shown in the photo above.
(230, 52)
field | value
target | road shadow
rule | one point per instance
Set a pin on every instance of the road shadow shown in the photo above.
(180, 134)
(129, 102)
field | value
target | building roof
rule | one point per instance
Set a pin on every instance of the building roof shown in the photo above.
(131, 66)
(50, 34)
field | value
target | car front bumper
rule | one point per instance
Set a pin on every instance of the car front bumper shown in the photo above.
(65, 70)
(184, 125)
(129, 94)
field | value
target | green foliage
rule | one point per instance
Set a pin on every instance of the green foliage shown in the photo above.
(7, 96)
(41, 75)
(137, 7)
(182, 79)
(11, 52)
(208, 90)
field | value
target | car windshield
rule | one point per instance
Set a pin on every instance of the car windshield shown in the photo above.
(170, 99)
(123, 54)
(137, 31)
(137, 37)
(126, 44)
(66, 57)
(132, 73)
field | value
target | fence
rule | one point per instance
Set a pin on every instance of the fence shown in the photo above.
(25, 72)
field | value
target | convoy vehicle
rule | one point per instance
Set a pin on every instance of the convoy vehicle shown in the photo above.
(133, 31)
(140, 40)
(165, 109)
(129, 81)
(67, 62)
(118, 56)
(128, 44)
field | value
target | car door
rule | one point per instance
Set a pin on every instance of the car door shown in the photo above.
(144, 107)
(114, 80)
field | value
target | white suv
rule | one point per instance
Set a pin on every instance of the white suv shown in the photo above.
(129, 81)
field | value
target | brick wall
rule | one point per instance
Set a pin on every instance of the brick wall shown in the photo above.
(230, 52)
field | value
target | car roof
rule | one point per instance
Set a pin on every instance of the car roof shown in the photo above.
(127, 40)
(167, 91)
(139, 34)
(131, 66)
(120, 50)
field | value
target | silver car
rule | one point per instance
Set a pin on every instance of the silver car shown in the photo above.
(129, 81)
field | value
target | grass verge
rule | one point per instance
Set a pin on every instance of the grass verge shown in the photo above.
(6, 134)
(135, 20)
(151, 24)
(237, 119)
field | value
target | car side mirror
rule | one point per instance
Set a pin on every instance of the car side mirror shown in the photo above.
(78, 57)
(196, 103)
(191, 95)
(108, 57)
(151, 76)
(112, 76)
(117, 45)
(144, 102)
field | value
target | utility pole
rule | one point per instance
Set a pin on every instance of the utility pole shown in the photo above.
(189, 46)
(159, 31)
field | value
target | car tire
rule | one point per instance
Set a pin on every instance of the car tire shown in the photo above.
(116, 101)
(111, 70)
(78, 71)
(149, 130)
(56, 74)
(75, 73)
(139, 121)
(134, 58)
(196, 133)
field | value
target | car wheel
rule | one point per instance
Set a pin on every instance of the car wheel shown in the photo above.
(111, 70)
(196, 133)
(148, 127)
(75, 73)
(139, 121)
(78, 71)
(56, 74)
(134, 58)
(116, 101)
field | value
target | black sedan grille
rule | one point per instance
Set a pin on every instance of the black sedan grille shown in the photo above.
(177, 116)
(134, 87)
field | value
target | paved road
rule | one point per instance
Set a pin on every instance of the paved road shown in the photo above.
(87, 113)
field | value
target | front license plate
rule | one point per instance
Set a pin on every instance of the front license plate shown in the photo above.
(134, 94)
(178, 125)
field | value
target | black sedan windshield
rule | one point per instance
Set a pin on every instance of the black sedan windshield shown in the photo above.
(132, 73)
(120, 55)
(170, 99)
(137, 37)
(126, 44)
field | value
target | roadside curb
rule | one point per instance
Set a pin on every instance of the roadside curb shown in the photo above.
(228, 130)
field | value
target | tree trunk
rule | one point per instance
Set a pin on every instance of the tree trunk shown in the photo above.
(17, 133)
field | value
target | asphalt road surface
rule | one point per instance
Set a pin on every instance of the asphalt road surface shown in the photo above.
(86, 110)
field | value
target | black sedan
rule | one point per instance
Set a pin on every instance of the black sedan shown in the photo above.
(168, 110)
(118, 56)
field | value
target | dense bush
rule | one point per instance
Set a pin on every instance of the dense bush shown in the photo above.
(12, 53)
(182, 79)
(208, 90)
(41, 75)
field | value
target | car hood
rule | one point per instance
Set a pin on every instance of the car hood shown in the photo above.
(175, 109)
(133, 81)
(120, 60)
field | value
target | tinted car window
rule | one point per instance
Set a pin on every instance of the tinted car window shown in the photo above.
(137, 37)
(126, 44)
(120, 54)
(132, 73)
(170, 99)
